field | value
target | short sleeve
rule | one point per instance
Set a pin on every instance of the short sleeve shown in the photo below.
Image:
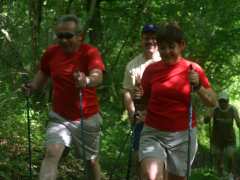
(95, 60)
(127, 80)
(146, 82)
(44, 63)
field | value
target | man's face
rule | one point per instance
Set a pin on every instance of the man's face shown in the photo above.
(149, 42)
(66, 36)
(223, 103)
(170, 51)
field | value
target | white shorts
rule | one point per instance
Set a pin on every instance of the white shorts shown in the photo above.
(62, 131)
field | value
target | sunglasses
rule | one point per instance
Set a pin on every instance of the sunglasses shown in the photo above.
(65, 35)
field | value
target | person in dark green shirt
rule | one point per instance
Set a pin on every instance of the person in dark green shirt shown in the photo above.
(223, 134)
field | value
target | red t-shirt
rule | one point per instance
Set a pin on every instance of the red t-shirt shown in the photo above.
(60, 67)
(167, 89)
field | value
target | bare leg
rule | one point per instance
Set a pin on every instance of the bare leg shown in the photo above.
(175, 177)
(93, 169)
(152, 169)
(231, 163)
(219, 164)
(165, 173)
(136, 165)
(49, 165)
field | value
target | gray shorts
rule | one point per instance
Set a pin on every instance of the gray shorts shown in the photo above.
(170, 147)
(62, 131)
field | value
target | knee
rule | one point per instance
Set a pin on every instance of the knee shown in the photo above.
(50, 155)
(92, 163)
(152, 176)
(53, 154)
(152, 170)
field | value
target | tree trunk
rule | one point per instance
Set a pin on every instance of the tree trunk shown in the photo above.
(1, 5)
(35, 12)
(94, 24)
(68, 8)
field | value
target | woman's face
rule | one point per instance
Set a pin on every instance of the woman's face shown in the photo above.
(170, 51)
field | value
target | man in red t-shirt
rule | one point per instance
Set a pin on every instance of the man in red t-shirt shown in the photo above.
(75, 70)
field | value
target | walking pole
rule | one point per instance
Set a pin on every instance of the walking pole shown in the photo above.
(82, 128)
(130, 151)
(189, 131)
(210, 143)
(29, 137)
(25, 78)
(138, 104)
(119, 156)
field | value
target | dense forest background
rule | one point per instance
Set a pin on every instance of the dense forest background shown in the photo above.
(212, 29)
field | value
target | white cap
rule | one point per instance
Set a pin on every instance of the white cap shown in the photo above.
(223, 95)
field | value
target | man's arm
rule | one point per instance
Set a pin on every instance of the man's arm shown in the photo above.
(128, 103)
(39, 80)
(236, 117)
(37, 83)
(94, 79)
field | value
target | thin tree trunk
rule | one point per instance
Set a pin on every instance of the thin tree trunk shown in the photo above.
(141, 9)
(35, 12)
(136, 22)
(68, 8)
(94, 24)
(1, 5)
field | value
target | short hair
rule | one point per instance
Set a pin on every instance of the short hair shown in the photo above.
(170, 32)
(71, 18)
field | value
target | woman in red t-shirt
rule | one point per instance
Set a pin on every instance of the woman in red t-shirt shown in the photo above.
(167, 86)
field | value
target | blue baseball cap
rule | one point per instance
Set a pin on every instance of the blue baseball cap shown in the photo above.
(149, 28)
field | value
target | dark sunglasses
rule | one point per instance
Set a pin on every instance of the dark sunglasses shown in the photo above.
(65, 35)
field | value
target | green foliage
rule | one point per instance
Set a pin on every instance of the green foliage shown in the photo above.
(202, 174)
(212, 30)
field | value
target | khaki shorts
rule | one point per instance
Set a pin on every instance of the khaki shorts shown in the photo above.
(61, 131)
(170, 147)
